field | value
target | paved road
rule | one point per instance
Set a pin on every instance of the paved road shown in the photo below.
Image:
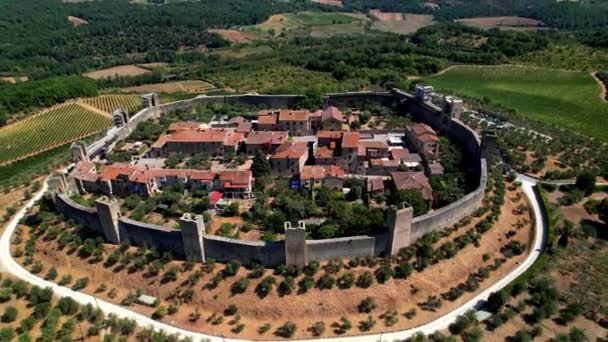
(9, 265)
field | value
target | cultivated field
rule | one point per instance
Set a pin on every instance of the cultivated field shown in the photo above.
(330, 2)
(47, 130)
(235, 36)
(109, 103)
(121, 70)
(308, 22)
(400, 23)
(568, 99)
(192, 87)
(504, 23)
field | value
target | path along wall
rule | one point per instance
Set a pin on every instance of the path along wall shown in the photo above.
(273, 253)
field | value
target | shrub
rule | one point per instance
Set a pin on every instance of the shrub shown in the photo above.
(231, 310)
(342, 327)
(286, 286)
(403, 270)
(496, 301)
(367, 305)
(347, 280)
(410, 313)
(570, 312)
(264, 328)
(326, 281)
(238, 328)
(160, 312)
(240, 286)
(334, 266)
(80, 284)
(67, 306)
(312, 268)
(307, 283)
(318, 328)
(384, 274)
(368, 324)
(66, 279)
(9, 315)
(365, 280)
(7, 334)
(287, 330)
(265, 286)
(231, 268)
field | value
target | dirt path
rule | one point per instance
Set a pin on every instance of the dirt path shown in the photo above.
(604, 91)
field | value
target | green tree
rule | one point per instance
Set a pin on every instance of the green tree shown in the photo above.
(260, 166)
(9, 315)
(413, 198)
(585, 181)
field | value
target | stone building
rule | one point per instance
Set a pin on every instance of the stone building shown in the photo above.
(331, 176)
(267, 142)
(295, 122)
(332, 119)
(424, 140)
(289, 158)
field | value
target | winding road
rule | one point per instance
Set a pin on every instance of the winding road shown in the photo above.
(9, 265)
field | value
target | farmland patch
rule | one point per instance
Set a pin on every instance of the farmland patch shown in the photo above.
(117, 71)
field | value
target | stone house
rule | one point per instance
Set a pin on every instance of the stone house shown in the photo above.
(330, 176)
(413, 180)
(294, 121)
(268, 142)
(289, 158)
(424, 140)
(332, 119)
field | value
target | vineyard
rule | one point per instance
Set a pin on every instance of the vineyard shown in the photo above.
(55, 127)
(109, 103)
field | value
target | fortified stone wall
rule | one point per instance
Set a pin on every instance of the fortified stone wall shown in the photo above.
(151, 235)
(82, 215)
(270, 253)
(347, 247)
(274, 253)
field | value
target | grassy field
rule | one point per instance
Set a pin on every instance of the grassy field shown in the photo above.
(310, 23)
(48, 130)
(569, 55)
(109, 103)
(567, 99)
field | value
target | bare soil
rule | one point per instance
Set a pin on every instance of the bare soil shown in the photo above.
(153, 65)
(121, 70)
(77, 21)
(330, 2)
(386, 16)
(235, 36)
(508, 23)
(14, 79)
(402, 23)
(604, 92)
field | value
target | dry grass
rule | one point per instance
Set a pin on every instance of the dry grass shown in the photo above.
(121, 70)
(14, 79)
(406, 24)
(330, 2)
(505, 23)
(235, 36)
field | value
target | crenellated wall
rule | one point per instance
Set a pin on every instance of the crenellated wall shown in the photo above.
(274, 253)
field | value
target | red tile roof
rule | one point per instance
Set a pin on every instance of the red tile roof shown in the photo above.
(160, 142)
(384, 163)
(399, 153)
(413, 180)
(188, 126)
(290, 150)
(329, 134)
(380, 145)
(198, 136)
(321, 172)
(293, 115)
(324, 153)
(267, 118)
(332, 113)
(350, 140)
(274, 138)
(236, 178)
(86, 171)
(234, 139)
(421, 128)
(115, 170)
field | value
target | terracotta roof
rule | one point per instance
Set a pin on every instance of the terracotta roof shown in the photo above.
(332, 113)
(293, 115)
(160, 142)
(375, 184)
(274, 138)
(413, 180)
(317, 114)
(115, 170)
(374, 144)
(234, 139)
(324, 153)
(385, 163)
(329, 134)
(86, 171)
(399, 153)
(198, 136)
(188, 126)
(321, 172)
(421, 128)
(244, 127)
(425, 138)
(290, 150)
(267, 119)
(236, 178)
(350, 140)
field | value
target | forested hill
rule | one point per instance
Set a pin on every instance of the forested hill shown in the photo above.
(36, 36)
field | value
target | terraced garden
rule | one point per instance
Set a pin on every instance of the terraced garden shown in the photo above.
(564, 98)
(109, 103)
(48, 130)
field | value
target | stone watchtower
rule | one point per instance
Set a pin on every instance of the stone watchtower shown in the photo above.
(453, 107)
(295, 244)
(193, 230)
(79, 151)
(58, 183)
(108, 211)
(150, 100)
(489, 148)
(399, 222)
(120, 117)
